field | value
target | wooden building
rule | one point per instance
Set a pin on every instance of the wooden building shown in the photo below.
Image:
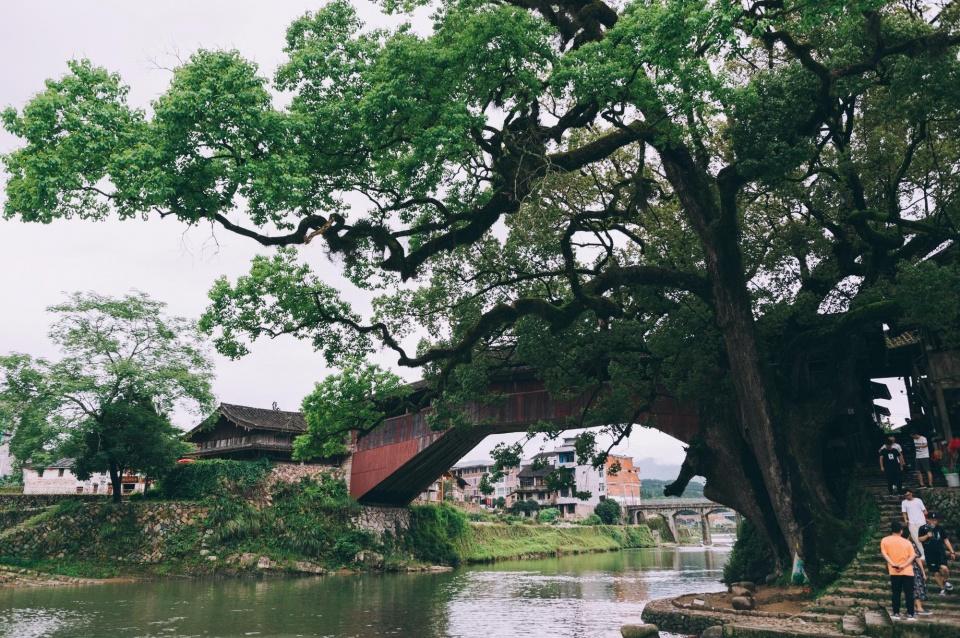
(242, 432)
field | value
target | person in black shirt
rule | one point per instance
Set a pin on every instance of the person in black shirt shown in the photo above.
(937, 549)
(891, 463)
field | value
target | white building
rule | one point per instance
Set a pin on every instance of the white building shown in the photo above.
(533, 485)
(58, 478)
(6, 461)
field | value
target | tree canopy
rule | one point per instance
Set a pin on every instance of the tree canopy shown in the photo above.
(125, 365)
(726, 200)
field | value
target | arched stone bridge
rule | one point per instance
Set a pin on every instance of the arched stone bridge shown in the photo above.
(670, 508)
(401, 457)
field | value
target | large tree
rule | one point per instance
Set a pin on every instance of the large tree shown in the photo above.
(725, 200)
(125, 365)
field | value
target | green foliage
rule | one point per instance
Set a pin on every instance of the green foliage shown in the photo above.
(125, 364)
(208, 478)
(129, 434)
(349, 401)
(436, 532)
(751, 558)
(548, 515)
(609, 511)
(612, 196)
(593, 519)
(652, 489)
(524, 507)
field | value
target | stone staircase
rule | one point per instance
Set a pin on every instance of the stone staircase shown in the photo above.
(861, 596)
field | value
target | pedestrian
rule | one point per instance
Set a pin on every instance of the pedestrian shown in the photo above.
(936, 550)
(922, 461)
(891, 464)
(914, 515)
(919, 578)
(899, 555)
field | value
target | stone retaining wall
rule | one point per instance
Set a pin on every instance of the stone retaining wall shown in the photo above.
(383, 520)
(30, 501)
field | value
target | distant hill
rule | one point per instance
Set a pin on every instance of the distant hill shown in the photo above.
(653, 489)
(654, 469)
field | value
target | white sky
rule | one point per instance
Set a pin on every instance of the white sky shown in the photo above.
(39, 263)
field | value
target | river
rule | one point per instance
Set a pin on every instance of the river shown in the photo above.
(587, 596)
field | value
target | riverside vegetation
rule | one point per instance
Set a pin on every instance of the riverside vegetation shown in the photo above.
(227, 517)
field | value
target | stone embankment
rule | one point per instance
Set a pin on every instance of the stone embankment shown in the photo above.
(855, 605)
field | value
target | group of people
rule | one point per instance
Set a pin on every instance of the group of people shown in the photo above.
(892, 463)
(916, 548)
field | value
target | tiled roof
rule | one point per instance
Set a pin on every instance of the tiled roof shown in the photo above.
(529, 471)
(64, 463)
(263, 419)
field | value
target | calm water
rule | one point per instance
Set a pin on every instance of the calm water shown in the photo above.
(583, 596)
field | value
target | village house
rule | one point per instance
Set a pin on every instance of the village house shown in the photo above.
(622, 486)
(58, 478)
(471, 472)
(245, 433)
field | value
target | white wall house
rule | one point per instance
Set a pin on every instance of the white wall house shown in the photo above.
(6, 461)
(58, 478)
(532, 484)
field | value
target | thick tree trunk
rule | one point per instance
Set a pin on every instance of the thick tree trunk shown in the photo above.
(710, 205)
(115, 481)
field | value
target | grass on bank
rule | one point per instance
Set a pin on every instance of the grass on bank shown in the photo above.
(496, 541)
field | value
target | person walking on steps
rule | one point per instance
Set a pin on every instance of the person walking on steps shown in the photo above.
(936, 550)
(891, 464)
(922, 459)
(919, 578)
(899, 555)
(914, 515)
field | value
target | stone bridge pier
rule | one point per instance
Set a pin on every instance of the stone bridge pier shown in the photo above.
(670, 508)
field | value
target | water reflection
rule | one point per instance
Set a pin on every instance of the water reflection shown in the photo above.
(588, 596)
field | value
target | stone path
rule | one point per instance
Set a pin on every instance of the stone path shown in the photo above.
(856, 604)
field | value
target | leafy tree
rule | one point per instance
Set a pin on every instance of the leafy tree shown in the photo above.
(352, 400)
(721, 200)
(130, 434)
(125, 364)
(524, 507)
(609, 511)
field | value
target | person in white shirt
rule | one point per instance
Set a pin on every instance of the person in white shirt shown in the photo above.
(922, 459)
(914, 515)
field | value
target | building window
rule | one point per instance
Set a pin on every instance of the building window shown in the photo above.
(40, 473)
(79, 489)
(60, 472)
(96, 486)
(128, 487)
(565, 457)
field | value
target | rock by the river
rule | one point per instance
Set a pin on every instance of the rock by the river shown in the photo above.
(737, 590)
(639, 631)
(746, 584)
(742, 603)
(712, 632)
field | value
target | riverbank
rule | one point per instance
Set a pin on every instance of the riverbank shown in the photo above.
(306, 528)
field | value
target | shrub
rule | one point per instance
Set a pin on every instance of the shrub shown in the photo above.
(549, 515)
(203, 479)
(608, 511)
(435, 533)
(524, 507)
(593, 519)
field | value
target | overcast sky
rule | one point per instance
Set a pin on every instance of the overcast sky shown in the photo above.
(40, 263)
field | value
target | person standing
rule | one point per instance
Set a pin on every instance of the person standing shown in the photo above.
(891, 464)
(922, 457)
(919, 578)
(914, 515)
(899, 555)
(936, 550)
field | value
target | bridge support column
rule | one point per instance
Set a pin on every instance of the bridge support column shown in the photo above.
(672, 524)
(705, 528)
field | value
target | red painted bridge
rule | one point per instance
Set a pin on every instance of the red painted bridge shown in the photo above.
(400, 458)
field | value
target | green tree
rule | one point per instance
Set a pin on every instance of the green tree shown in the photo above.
(724, 200)
(609, 511)
(125, 365)
(130, 434)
